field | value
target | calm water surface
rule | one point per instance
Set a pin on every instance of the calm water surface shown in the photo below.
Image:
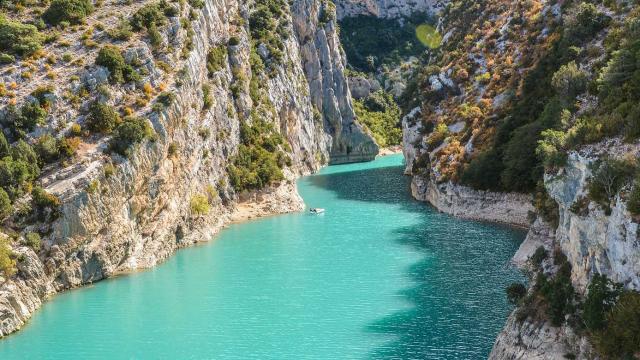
(378, 276)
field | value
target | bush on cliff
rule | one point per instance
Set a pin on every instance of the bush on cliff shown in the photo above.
(45, 206)
(111, 57)
(19, 39)
(5, 205)
(602, 295)
(199, 205)
(71, 11)
(33, 241)
(620, 338)
(130, 132)
(516, 292)
(257, 163)
(102, 118)
(381, 115)
(609, 176)
(7, 264)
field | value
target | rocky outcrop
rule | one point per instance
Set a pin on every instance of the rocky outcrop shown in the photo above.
(324, 63)
(139, 212)
(455, 199)
(466, 203)
(594, 242)
(538, 341)
(387, 8)
(361, 86)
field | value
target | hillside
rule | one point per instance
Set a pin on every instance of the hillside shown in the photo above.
(538, 100)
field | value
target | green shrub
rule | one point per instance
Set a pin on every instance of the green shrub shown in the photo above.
(199, 205)
(7, 264)
(5, 205)
(130, 132)
(5, 149)
(6, 59)
(122, 31)
(601, 297)
(155, 38)
(172, 150)
(24, 120)
(569, 81)
(538, 256)
(166, 98)
(558, 291)
(256, 164)
(620, 338)
(119, 71)
(198, 4)
(585, 22)
(150, 15)
(633, 204)
(19, 39)
(71, 11)
(380, 114)
(16, 173)
(516, 292)
(552, 148)
(216, 59)
(102, 118)
(608, 177)
(207, 99)
(47, 149)
(483, 172)
(234, 41)
(33, 241)
(45, 206)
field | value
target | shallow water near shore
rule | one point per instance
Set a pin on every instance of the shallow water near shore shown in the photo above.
(378, 276)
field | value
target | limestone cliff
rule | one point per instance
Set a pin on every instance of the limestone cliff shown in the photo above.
(387, 8)
(139, 212)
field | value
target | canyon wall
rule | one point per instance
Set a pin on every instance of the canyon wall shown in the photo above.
(139, 212)
(387, 8)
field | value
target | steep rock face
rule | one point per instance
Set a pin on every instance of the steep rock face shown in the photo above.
(387, 8)
(538, 341)
(324, 64)
(595, 243)
(140, 213)
(466, 203)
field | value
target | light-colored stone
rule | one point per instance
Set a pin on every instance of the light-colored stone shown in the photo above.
(387, 8)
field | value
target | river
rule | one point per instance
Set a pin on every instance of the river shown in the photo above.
(378, 276)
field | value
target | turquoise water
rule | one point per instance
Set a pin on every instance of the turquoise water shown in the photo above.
(378, 276)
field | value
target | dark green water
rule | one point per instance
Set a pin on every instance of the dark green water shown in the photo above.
(378, 276)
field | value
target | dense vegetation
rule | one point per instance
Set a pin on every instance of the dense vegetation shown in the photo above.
(381, 115)
(70, 11)
(511, 162)
(19, 39)
(269, 27)
(370, 42)
(259, 160)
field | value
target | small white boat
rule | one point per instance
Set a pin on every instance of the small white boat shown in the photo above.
(316, 210)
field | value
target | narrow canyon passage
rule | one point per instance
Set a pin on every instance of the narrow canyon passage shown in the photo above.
(378, 276)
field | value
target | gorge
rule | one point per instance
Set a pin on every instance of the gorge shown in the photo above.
(132, 130)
